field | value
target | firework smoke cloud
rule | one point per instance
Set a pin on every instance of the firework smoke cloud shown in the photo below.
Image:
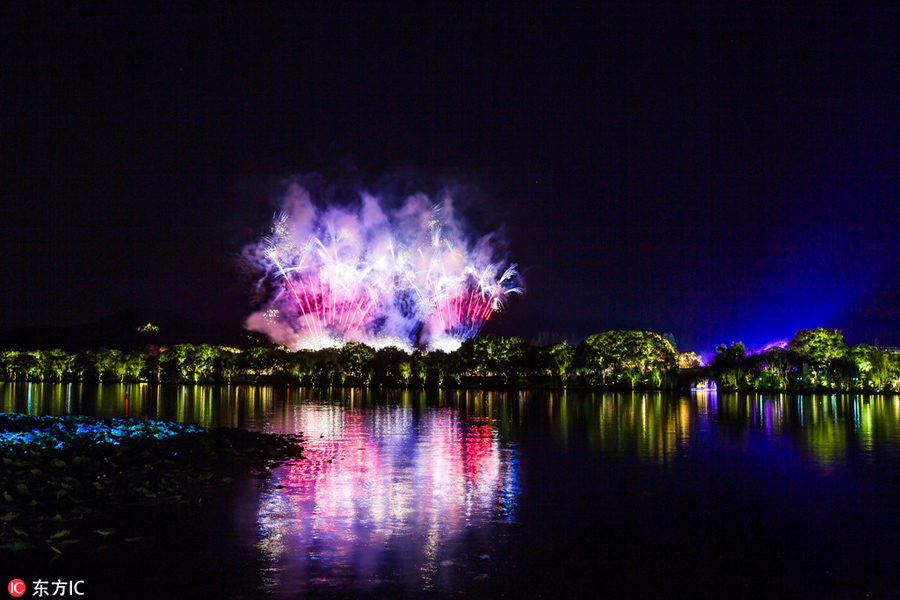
(361, 270)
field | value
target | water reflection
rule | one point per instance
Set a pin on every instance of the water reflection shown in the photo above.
(653, 426)
(406, 492)
(831, 429)
(662, 429)
(210, 406)
(391, 494)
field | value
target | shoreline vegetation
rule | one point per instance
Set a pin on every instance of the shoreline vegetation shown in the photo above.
(62, 478)
(813, 360)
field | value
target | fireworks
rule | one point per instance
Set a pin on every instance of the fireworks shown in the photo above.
(406, 277)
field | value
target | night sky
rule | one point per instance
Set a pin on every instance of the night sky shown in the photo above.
(722, 173)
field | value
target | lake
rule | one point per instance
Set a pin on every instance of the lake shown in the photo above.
(510, 494)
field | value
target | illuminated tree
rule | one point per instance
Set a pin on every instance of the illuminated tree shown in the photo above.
(519, 359)
(7, 359)
(417, 366)
(225, 365)
(56, 364)
(256, 362)
(301, 366)
(562, 357)
(200, 363)
(173, 363)
(112, 365)
(492, 355)
(86, 366)
(438, 365)
(689, 360)
(728, 367)
(780, 364)
(390, 366)
(818, 348)
(893, 371)
(135, 365)
(869, 366)
(404, 368)
(27, 367)
(355, 360)
(326, 367)
(627, 357)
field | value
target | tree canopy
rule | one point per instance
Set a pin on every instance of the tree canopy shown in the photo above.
(813, 359)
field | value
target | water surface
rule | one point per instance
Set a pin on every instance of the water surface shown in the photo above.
(531, 494)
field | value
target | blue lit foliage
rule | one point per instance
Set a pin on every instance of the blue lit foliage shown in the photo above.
(19, 431)
(54, 469)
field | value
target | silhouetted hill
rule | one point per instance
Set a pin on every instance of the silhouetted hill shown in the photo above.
(127, 330)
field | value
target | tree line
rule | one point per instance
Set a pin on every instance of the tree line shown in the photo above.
(813, 359)
(613, 359)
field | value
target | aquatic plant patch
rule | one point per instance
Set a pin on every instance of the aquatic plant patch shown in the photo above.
(56, 470)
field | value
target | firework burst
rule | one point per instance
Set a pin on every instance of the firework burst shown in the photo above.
(407, 277)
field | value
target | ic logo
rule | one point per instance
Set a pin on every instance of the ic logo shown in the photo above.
(16, 588)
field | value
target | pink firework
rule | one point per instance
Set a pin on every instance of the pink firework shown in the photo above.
(362, 273)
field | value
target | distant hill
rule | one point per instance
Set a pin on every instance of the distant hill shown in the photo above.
(127, 330)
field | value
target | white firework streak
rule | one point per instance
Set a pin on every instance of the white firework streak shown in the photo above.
(400, 278)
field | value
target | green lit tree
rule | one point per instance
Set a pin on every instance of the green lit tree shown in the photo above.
(135, 366)
(86, 366)
(417, 366)
(201, 363)
(562, 357)
(355, 361)
(27, 367)
(819, 348)
(728, 367)
(438, 365)
(301, 366)
(56, 364)
(326, 367)
(224, 365)
(256, 363)
(7, 360)
(174, 363)
(779, 366)
(390, 366)
(627, 358)
(869, 367)
(112, 365)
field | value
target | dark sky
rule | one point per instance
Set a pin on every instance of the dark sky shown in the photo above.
(725, 172)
